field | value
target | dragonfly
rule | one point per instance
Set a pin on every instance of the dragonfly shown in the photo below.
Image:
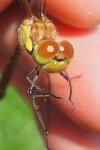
(38, 36)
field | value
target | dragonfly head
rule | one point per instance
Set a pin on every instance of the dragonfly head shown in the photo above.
(53, 56)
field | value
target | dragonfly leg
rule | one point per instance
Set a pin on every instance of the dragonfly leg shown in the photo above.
(42, 91)
(33, 78)
(66, 77)
(8, 72)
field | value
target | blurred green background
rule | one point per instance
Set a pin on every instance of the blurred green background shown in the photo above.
(18, 129)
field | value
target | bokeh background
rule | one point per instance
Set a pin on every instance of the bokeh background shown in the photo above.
(18, 127)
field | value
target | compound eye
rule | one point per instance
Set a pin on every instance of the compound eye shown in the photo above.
(48, 49)
(67, 49)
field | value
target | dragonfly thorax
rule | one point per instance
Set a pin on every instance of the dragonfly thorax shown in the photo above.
(33, 30)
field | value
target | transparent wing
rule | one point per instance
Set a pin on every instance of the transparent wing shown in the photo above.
(25, 5)
(38, 7)
(40, 100)
(41, 108)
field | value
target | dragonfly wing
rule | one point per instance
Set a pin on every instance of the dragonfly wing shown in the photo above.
(38, 7)
(41, 103)
(41, 108)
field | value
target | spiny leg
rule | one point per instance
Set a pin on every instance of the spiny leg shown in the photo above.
(76, 77)
(43, 7)
(33, 78)
(66, 77)
(38, 7)
(8, 72)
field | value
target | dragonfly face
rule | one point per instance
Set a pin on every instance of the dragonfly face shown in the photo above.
(54, 56)
(38, 36)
